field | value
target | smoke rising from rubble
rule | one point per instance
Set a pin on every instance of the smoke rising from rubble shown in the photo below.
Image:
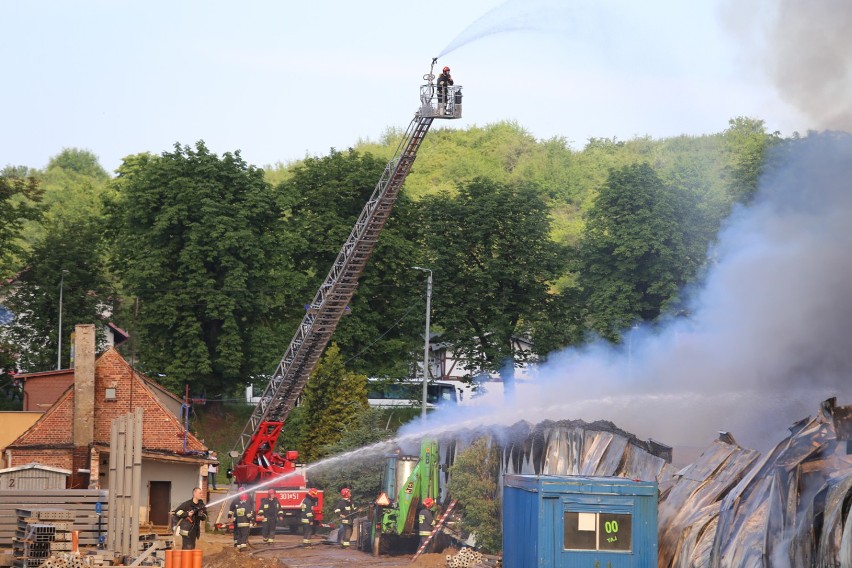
(769, 335)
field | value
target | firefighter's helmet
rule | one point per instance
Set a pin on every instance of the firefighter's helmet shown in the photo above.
(271, 492)
(313, 492)
(428, 502)
(446, 69)
(346, 493)
(243, 496)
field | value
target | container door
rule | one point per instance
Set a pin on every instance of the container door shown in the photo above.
(596, 530)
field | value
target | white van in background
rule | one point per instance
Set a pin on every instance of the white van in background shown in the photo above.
(384, 393)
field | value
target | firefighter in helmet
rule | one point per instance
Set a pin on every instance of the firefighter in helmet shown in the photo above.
(308, 523)
(270, 509)
(189, 516)
(345, 509)
(426, 520)
(242, 514)
(444, 81)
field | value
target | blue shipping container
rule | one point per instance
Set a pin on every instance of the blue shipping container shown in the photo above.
(559, 521)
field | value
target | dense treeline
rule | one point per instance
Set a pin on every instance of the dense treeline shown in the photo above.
(208, 260)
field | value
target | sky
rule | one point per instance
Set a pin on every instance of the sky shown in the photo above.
(283, 80)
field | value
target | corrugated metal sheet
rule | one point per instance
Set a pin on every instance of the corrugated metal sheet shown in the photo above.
(788, 508)
(580, 448)
(33, 477)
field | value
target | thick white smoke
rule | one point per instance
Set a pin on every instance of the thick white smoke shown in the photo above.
(768, 338)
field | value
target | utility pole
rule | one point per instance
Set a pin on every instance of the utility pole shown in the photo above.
(59, 335)
(426, 342)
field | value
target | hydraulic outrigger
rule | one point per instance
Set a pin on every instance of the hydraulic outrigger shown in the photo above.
(257, 461)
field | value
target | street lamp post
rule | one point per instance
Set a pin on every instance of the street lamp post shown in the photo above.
(633, 328)
(426, 342)
(59, 335)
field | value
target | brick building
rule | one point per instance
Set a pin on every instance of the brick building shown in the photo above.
(74, 432)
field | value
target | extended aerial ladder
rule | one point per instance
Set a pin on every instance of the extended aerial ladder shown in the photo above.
(255, 446)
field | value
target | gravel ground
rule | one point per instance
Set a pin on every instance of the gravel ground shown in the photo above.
(287, 552)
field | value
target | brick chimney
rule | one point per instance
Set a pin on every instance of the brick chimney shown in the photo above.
(84, 403)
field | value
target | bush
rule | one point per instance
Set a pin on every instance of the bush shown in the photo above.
(473, 481)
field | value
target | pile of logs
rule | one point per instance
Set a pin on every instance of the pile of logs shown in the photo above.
(470, 558)
(67, 560)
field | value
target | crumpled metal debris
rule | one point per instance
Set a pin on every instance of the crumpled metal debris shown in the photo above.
(733, 508)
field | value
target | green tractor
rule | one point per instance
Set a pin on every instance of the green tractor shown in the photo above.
(408, 480)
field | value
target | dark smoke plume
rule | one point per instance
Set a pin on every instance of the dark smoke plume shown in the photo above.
(806, 49)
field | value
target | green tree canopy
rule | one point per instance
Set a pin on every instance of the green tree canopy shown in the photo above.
(82, 162)
(746, 144)
(70, 259)
(494, 264)
(636, 251)
(19, 201)
(198, 242)
(331, 402)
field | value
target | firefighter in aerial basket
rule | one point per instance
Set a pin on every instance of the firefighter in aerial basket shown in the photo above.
(242, 514)
(345, 509)
(308, 522)
(445, 80)
(270, 509)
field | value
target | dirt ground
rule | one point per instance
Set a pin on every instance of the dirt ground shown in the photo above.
(287, 553)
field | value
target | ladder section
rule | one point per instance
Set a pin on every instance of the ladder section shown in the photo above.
(324, 312)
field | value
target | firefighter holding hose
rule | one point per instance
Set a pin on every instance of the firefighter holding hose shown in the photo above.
(308, 523)
(242, 514)
(189, 516)
(345, 509)
(270, 510)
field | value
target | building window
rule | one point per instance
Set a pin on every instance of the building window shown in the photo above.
(598, 531)
(110, 393)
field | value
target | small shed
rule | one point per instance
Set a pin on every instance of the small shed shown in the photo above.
(34, 476)
(573, 521)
